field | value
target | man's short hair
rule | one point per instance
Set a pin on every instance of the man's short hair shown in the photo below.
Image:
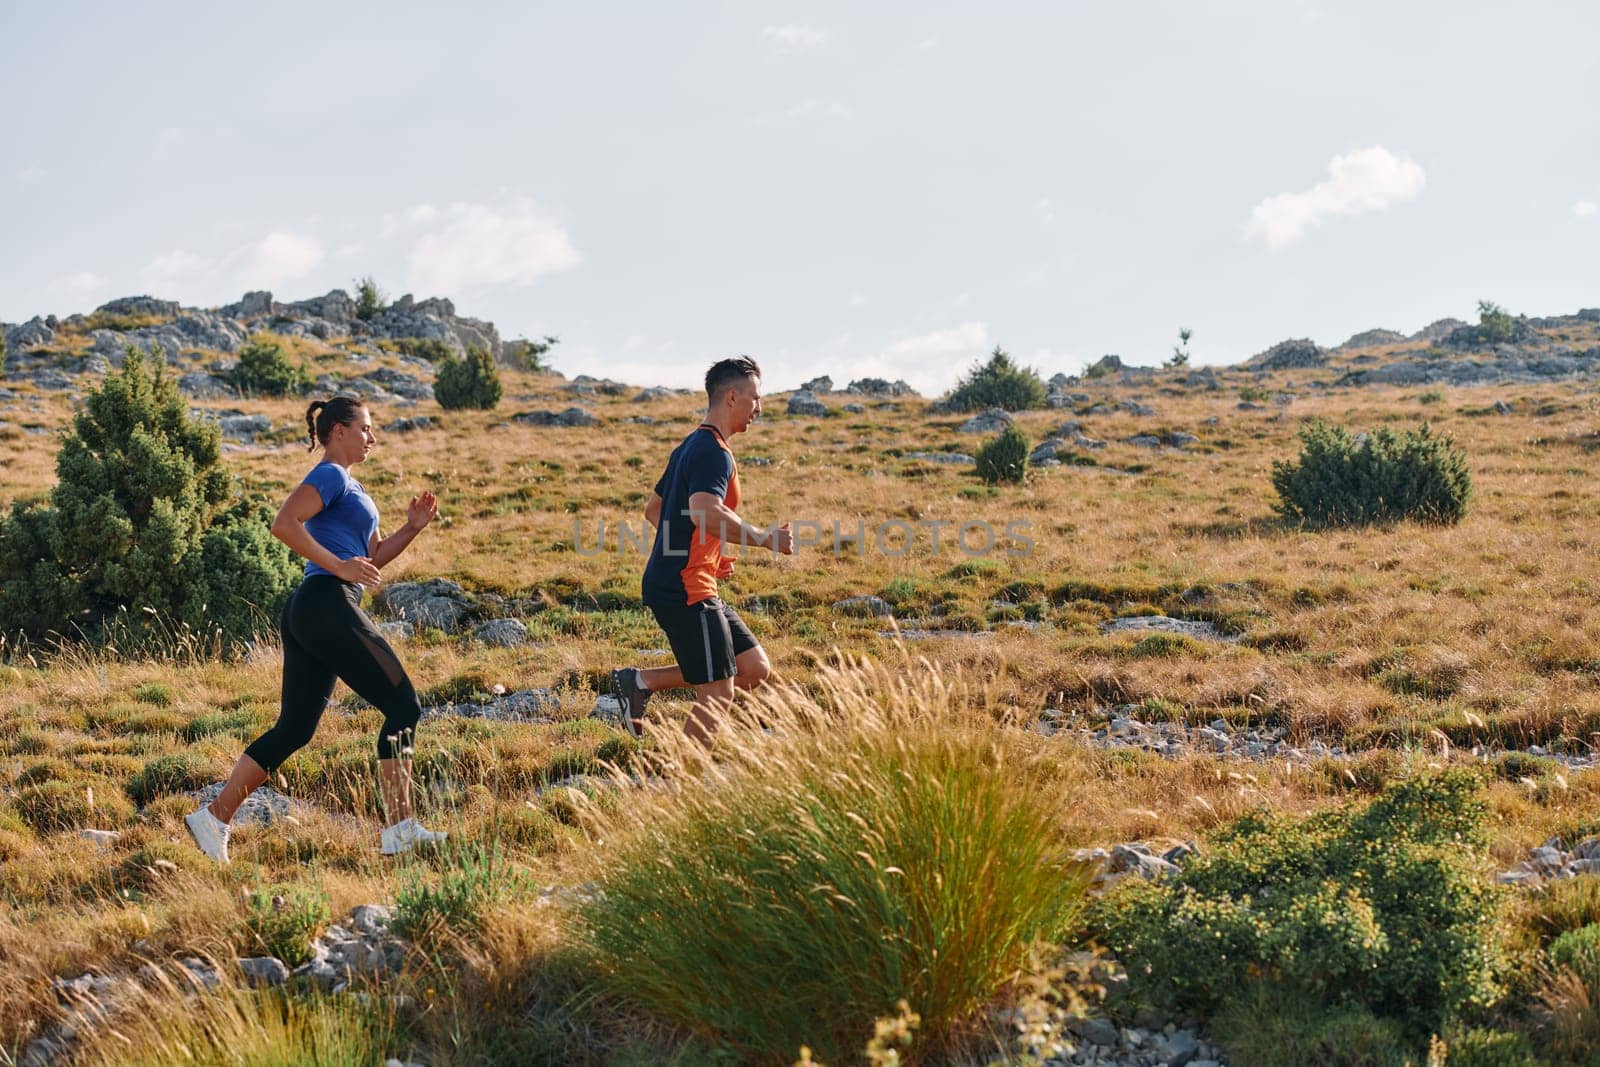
(725, 372)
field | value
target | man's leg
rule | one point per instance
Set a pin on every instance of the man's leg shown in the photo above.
(710, 700)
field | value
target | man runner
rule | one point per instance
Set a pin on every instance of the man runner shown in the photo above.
(692, 510)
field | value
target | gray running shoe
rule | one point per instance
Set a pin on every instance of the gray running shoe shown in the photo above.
(628, 687)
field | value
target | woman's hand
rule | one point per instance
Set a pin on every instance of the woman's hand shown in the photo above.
(358, 569)
(422, 510)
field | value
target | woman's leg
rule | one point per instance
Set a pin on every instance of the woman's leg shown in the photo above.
(369, 666)
(307, 685)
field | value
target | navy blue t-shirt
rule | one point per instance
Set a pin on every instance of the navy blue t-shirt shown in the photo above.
(348, 518)
(684, 566)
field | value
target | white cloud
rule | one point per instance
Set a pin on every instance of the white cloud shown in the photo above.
(193, 277)
(969, 338)
(1369, 179)
(277, 258)
(811, 108)
(1585, 208)
(31, 175)
(928, 44)
(176, 273)
(474, 245)
(1045, 210)
(416, 215)
(80, 286)
(794, 38)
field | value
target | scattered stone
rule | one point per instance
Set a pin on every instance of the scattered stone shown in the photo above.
(103, 839)
(880, 388)
(1190, 627)
(994, 420)
(1133, 407)
(264, 970)
(823, 384)
(952, 458)
(1289, 355)
(204, 386)
(263, 807)
(408, 425)
(502, 633)
(854, 409)
(654, 392)
(573, 416)
(395, 629)
(437, 602)
(804, 403)
(863, 606)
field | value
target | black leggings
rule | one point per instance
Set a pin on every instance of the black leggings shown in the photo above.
(326, 636)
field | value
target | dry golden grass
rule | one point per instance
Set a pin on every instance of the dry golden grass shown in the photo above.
(1404, 640)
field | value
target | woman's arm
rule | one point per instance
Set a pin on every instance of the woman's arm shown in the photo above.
(290, 527)
(421, 512)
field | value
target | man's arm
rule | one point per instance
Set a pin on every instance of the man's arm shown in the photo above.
(652, 510)
(714, 518)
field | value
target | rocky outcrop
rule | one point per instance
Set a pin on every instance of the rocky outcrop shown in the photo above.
(1507, 367)
(1292, 354)
(1372, 339)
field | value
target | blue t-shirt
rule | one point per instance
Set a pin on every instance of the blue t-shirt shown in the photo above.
(348, 518)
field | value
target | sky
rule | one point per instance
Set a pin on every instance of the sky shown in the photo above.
(888, 189)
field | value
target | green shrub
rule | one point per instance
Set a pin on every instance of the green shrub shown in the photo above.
(283, 920)
(179, 772)
(473, 878)
(1495, 324)
(472, 382)
(1263, 1026)
(1004, 459)
(157, 693)
(1339, 480)
(1490, 1048)
(877, 846)
(263, 370)
(1385, 908)
(529, 355)
(1577, 950)
(999, 383)
(144, 534)
(370, 300)
(236, 723)
(1253, 394)
(428, 348)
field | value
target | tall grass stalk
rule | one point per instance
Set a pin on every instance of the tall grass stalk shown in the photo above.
(869, 839)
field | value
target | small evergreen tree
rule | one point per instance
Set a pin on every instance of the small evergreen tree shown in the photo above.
(1004, 459)
(145, 520)
(1180, 351)
(999, 383)
(1495, 324)
(370, 300)
(1379, 477)
(529, 355)
(263, 370)
(472, 382)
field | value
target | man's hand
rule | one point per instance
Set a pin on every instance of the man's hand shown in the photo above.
(783, 540)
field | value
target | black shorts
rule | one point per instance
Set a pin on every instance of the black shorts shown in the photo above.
(705, 638)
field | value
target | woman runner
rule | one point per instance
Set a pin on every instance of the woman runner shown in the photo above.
(330, 520)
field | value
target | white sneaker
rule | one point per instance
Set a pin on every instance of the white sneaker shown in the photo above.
(407, 834)
(210, 833)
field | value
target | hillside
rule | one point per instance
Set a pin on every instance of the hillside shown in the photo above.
(1163, 652)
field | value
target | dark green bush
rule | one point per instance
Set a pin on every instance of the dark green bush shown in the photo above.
(999, 383)
(1490, 1048)
(263, 370)
(1578, 950)
(472, 879)
(1495, 324)
(1004, 459)
(1378, 477)
(1386, 908)
(143, 529)
(1264, 1026)
(283, 920)
(472, 382)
